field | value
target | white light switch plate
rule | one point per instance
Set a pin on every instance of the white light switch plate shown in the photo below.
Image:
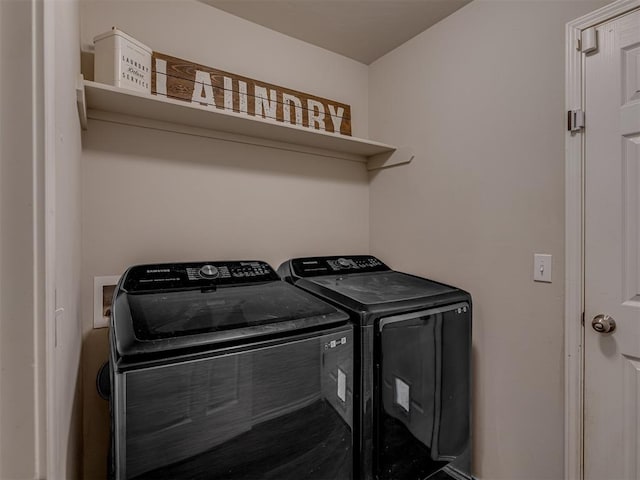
(542, 267)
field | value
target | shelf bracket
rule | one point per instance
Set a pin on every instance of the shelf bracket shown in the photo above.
(81, 101)
(401, 156)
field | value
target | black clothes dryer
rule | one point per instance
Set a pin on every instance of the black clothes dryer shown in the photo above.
(413, 365)
(220, 370)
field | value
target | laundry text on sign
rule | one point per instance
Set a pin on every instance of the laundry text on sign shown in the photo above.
(183, 80)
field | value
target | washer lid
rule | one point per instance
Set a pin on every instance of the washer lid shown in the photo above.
(381, 287)
(175, 314)
(156, 319)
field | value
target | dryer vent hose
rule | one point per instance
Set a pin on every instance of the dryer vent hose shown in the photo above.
(103, 382)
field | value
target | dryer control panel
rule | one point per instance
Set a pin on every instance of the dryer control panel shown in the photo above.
(315, 266)
(175, 276)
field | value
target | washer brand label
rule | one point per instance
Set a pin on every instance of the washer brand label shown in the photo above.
(159, 270)
(149, 280)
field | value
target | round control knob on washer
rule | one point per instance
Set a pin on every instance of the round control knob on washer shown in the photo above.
(209, 271)
(343, 262)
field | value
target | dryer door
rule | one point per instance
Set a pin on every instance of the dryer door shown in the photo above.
(423, 403)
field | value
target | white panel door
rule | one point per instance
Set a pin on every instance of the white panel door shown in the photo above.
(612, 252)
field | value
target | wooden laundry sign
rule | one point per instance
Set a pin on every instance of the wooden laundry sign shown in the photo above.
(183, 80)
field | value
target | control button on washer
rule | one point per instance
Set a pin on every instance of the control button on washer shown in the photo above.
(343, 262)
(209, 271)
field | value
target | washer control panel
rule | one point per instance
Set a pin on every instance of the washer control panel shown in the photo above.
(315, 266)
(172, 276)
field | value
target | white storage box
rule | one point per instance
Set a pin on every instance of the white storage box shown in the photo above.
(122, 61)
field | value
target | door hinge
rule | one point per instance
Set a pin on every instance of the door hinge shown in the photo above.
(588, 41)
(575, 120)
(582, 319)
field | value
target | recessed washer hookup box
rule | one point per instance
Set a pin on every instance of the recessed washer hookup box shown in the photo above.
(122, 61)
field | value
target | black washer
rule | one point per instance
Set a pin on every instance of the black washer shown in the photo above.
(413, 362)
(228, 376)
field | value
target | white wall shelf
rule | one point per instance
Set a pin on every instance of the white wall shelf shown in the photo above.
(104, 102)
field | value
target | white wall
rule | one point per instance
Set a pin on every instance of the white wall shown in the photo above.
(63, 158)
(480, 97)
(21, 334)
(151, 196)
